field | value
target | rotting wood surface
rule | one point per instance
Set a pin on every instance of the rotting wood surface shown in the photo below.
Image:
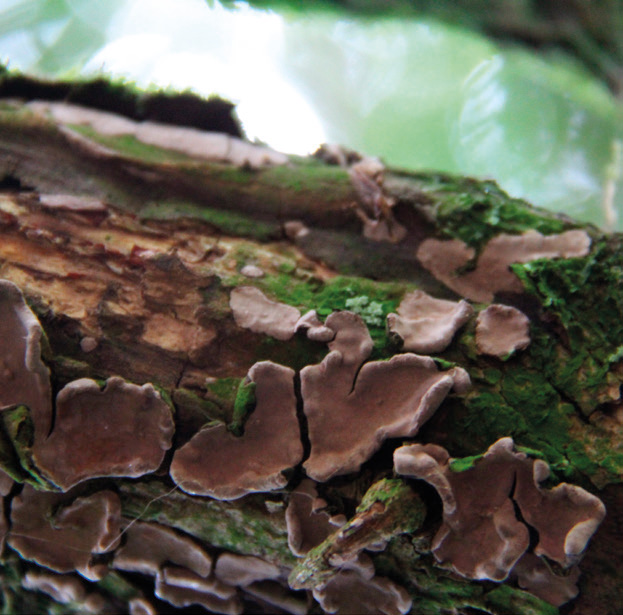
(128, 253)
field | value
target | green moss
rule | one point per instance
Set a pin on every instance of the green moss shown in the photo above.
(464, 463)
(585, 295)
(203, 410)
(130, 146)
(315, 178)
(244, 404)
(18, 428)
(242, 526)
(476, 211)
(506, 599)
(372, 299)
(227, 221)
(395, 494)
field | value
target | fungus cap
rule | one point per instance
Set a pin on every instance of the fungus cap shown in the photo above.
(62, 588)
(426, 324)
(501, 330)
(538, 578)
(24, 378)
(181, 588)
(120, 430)
(353, 406)
(218, 464)
(492, 273)
(242, 570)
(62, 532)
(253, 310)
(348, 592)
(481, 536)
(308, 524)
(314, 327)
(276, 595)
(149, 545)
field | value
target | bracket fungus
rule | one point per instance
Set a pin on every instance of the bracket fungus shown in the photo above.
(307, 522)
(379, 223)
(242, 570)
(273, 594)
(353, 406)
(501, 330)
(426, 324)
(202, 144)
(24, 378)
(65, 589)
(253, 310)
(492, 274)
(120, 430)
(482, 536)
(150, 545)
(537, 577)
(349, 592)
(314, 327)
(221, 465)
(181, 587)
(63, 537)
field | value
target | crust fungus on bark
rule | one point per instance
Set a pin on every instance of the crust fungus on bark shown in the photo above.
(253, 310)
(242, 570)
(65, 538)
(220, 465)
(537, 577)
(349, 592)
(443, 258)
(120, 430)
(65, 589)
(273, 594)
(150, 545)
(353, 406)
(24, 378)
(481, 536)
(501, 330)
(307, 522)
(315, 329)
(426, 324)
(181, 587)
(200, 144)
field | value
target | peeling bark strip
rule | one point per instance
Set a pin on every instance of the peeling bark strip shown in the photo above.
(217, 317)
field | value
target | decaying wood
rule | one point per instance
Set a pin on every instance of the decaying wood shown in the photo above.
(128, 253)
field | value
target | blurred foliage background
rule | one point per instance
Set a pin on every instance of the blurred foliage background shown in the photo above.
(417, 88)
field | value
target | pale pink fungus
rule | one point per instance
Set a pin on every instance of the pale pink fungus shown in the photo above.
(24, 378)
(253, 310)
(347, 592)
(492, 273)
(150, 545)
(63, 533)
(221, 465)
(501, 330)
(426, 324)
(307, 521)
(242, 570)
(181, 587)
(536, 576)
(481, 536)
(120, 430)
(353, 406)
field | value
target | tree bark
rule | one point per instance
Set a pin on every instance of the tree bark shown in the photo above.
(128, 252)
